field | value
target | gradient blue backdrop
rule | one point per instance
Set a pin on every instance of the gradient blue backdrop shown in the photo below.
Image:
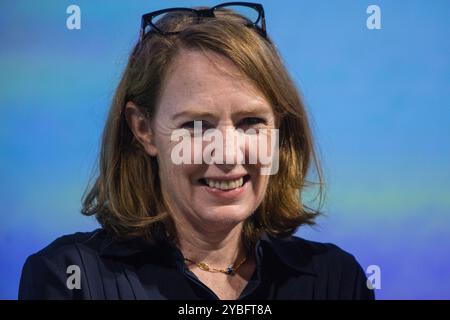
(379, 101)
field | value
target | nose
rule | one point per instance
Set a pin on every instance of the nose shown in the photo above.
(232, 151)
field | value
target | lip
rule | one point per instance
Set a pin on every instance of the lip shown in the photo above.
(227, 194)
(226, 178)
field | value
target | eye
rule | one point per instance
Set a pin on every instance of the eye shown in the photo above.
(252, 121)
(190, 125)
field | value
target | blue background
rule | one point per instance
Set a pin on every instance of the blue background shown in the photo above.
(379, 102)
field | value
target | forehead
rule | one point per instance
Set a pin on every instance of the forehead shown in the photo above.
(206, 80)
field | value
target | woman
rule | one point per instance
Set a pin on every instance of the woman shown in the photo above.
(177, 223)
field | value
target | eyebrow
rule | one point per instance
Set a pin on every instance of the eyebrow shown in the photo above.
(251, 110)
(192, 114)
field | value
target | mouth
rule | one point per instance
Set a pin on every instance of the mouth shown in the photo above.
(225, 184)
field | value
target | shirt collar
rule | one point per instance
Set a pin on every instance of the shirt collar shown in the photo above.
(291, 251)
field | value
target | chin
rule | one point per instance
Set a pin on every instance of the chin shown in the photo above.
(225, 215)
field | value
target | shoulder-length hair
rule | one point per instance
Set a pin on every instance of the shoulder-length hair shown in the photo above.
(126, 197)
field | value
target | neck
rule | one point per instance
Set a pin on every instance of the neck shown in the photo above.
(217, 248)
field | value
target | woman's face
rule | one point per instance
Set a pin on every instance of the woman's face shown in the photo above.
(209, 88)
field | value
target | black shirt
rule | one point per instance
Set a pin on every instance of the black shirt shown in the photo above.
(286, 268)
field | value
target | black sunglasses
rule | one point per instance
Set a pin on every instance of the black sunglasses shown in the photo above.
(254, 14)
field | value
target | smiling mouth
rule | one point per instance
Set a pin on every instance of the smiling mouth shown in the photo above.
(225, 185)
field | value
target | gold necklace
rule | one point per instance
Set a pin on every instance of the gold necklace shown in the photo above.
(230, 270)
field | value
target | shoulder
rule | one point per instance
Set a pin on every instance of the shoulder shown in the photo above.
(324, 254)
(71, 244)
(69, 248)
(335, 270)
(45, 272)
(316, 255)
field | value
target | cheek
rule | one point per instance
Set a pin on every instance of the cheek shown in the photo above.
(260, 149)
(178, 177)
(263, 182)
(176, 184)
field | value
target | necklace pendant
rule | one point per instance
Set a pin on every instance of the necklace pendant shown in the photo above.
(229, 270)
(203, 266)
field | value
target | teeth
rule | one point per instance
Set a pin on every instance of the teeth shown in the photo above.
(225, 185)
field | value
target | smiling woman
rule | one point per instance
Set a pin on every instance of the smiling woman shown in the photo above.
(207, 229)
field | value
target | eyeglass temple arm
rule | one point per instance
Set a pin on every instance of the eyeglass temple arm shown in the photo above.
(263, 21)
(144, 23)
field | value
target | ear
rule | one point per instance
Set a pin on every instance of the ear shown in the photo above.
(141, 128)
